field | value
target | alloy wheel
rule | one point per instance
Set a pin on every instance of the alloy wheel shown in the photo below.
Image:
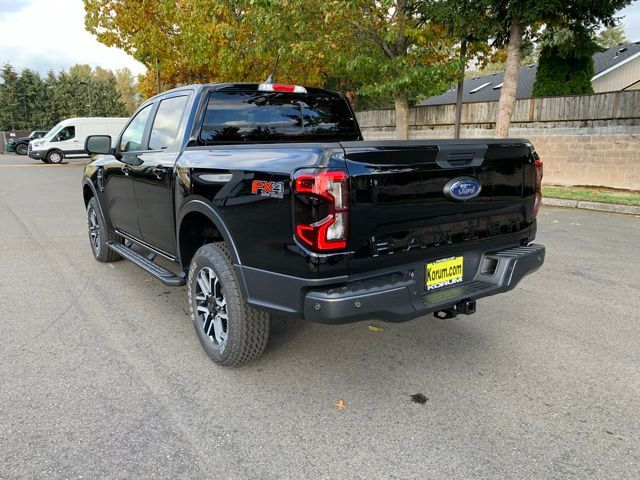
(211, 307)
(94, 231)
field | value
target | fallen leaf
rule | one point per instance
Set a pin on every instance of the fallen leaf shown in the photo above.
(373, 328)
(341, 404)
(419, 398)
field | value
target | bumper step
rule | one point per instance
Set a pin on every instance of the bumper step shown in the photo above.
(162, 274)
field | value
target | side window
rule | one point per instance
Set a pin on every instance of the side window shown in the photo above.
(131, 139)
(67, 133)
(167, 122)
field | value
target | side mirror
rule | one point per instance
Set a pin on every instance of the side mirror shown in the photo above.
(98, 144)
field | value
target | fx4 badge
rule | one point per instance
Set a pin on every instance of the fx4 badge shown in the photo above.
(267, 189)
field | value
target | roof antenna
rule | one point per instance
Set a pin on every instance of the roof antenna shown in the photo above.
(275, 67)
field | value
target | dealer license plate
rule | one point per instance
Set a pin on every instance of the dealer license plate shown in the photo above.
(443, 272)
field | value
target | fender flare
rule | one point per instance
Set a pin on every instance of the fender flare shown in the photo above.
(87, 182)
(200, 205)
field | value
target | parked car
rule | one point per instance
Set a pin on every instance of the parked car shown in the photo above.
(20, 145)
(67, 138)
(266, 199)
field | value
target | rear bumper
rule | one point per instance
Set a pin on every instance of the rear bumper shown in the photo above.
(404, 298)
(391, 296)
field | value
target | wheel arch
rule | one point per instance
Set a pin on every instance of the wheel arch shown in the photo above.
(190, 216)
(89, 192)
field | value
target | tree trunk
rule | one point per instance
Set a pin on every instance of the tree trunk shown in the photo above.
(402, 114)
(459, 91)
(510, 82)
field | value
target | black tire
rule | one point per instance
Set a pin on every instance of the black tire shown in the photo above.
(99, 235)
(55, 156)
(22, 149)
(247, 329)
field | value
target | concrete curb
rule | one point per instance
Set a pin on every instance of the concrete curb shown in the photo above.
(597, 206)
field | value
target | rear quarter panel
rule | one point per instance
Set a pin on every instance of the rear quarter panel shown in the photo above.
(260, 226)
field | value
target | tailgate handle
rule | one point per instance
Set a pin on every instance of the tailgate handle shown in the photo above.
(460, 155)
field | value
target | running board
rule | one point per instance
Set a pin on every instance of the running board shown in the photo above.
(162, 274)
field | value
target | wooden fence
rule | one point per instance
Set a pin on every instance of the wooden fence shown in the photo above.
(600, 106)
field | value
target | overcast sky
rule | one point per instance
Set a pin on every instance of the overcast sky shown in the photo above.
(50, 34)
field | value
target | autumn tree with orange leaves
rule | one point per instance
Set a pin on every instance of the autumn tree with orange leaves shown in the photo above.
(378, 48)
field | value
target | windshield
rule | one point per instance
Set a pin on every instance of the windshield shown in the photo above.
(51, 133)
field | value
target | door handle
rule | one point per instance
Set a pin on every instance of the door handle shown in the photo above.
(160, 172)
(126, 170)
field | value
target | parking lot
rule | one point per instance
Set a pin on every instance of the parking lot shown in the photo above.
(103, 376)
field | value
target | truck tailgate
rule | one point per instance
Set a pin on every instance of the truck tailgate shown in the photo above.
(401, 213)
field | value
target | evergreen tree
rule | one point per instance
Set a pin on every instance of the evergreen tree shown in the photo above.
(30, 102)
(9, 115)
(125, 84)
(566, 63)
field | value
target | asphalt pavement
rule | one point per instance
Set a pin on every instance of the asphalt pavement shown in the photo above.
(102, 375)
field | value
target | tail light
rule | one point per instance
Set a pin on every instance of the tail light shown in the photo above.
(538, 198)
(321, 209)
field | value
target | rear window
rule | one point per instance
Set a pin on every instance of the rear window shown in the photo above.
(244, 116)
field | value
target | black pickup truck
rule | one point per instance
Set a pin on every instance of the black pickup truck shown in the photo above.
(264, 199)
(20, 145)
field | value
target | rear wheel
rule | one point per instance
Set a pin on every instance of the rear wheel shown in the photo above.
(55, 156)
(22, 149)
(229, 330)
(99, 235)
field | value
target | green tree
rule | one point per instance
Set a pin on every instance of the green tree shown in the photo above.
(467, 22)
(107, 101)
(53, 110)
(518, 19)
(28, 101)
(566, 63)
(611, 37)
(9, 99)
(126, 86)
(387, 49)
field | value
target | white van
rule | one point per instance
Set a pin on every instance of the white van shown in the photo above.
(67, 138)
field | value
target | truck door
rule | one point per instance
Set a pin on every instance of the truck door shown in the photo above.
(118, 182)
(153, 174)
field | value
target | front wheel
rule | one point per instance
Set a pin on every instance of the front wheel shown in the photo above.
(55, 156)
(99, 235)
(229, 330)
(22, 149)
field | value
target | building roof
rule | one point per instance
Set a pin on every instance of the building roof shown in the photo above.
(487, 87)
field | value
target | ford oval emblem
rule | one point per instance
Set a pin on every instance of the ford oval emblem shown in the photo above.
(462, 188)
